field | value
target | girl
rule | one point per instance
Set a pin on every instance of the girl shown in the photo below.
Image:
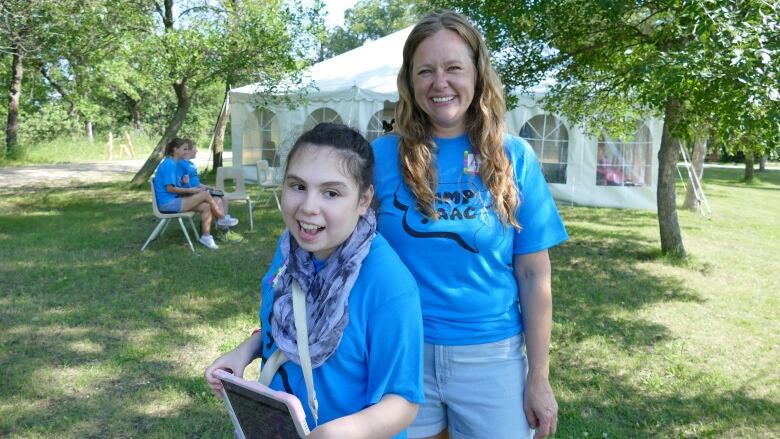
(172, 197)
(365, 324)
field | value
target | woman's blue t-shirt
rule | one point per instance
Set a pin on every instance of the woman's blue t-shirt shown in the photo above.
(168, 172)
(463, 262)
(381, 349)
(189, 168)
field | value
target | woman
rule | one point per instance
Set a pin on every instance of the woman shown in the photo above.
(172, 197)
(467, 209)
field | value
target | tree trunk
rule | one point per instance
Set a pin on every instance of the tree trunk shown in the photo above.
(14, 93)
(749, 167)
(697, 162)
(90, 137)
(135, 116)
(762, 163)
(183, 102)
(219, 131)
(669, 227)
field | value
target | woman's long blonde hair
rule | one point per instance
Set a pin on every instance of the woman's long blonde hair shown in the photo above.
(484, 123)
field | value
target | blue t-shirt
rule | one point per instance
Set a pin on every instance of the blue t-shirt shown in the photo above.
(189, 168)
(168, 172)
(381, 350)
(462, 262)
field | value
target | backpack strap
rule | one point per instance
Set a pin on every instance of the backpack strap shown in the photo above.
(278, 358)
(271, 366)
(302, 334)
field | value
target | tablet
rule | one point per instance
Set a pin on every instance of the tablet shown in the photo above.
(258, 411)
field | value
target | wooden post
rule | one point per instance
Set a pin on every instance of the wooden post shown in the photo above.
(110, 146)
(130, 144)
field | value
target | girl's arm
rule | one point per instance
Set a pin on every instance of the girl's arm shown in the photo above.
(235, 360)
(534, 279)
(182, 190)
(384, 419)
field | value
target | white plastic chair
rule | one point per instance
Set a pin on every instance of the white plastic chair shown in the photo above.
(237, 175)
(165, 218)
(268, 181)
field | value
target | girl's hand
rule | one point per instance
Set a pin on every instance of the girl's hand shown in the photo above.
(185, 179)
(233, 362)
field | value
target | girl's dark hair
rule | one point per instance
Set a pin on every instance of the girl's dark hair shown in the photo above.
(357, 152)
(174, 143)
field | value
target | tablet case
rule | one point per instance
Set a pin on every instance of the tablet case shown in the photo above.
(258, 411)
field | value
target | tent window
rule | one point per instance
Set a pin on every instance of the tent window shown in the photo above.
(321, 115)
(261, 138)
(381, 122)
(550, 140)
(625, 163)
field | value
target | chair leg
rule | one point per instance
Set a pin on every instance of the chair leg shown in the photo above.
(249, 213)
(165, 227)
(155, 233)
(186, 235)
(194, 229)
(278, 204)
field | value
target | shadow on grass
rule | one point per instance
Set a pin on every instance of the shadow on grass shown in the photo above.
(98, 338)
(600, 286)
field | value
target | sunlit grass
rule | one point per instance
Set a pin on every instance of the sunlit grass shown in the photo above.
(100, 340)
(78, 149)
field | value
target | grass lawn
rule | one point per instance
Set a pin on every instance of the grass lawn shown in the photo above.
(75, 150)
(100, 340)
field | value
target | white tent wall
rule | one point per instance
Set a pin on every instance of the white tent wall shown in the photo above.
(360, 83)
(580, 187)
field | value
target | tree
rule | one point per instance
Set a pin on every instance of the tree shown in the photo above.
(22, 35)
(613, 61)
(244, 22)
(193, 48)
(370, 20)
(63, 42)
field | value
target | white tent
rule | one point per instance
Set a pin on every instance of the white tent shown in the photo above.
(358, 88)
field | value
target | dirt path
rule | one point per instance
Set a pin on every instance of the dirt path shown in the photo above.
(73, 174)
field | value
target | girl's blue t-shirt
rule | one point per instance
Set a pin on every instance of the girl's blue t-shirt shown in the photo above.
(381, 350)
(463, 262)
(189, 168)
(168, 172)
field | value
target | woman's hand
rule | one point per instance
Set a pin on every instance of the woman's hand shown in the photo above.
(540, 406)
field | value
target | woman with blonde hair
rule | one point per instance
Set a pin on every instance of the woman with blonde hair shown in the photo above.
(467, 209)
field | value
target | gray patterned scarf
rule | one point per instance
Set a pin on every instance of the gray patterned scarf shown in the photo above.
(326, 292)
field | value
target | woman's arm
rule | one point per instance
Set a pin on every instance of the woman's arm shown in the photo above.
(384, 419)
(182, 190)
(534, 279)
(235, 360)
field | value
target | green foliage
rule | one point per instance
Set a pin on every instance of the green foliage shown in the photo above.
(370, 20)
(718, 58)
(113, 63)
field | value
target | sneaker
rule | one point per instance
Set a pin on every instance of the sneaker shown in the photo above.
(208, 241)
(227, 221)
